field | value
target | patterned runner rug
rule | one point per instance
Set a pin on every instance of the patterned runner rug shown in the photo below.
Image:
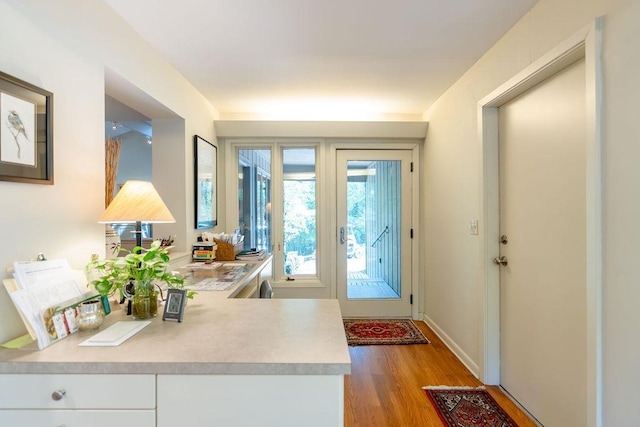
(383, 331)
(467, 407)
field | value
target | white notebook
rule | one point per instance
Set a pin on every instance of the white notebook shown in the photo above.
(115, 334)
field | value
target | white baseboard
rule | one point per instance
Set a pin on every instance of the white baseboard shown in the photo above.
(455, 349)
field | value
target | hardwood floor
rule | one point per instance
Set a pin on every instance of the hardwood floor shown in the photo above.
(385, 385)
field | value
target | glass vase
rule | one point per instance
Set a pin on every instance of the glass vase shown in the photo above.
(144, 301)
(90, 315)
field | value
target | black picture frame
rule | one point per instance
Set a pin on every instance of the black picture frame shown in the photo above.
(205, 183)
(26, 132)
(174, 304)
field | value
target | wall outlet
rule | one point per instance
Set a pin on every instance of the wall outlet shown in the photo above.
(473, 227)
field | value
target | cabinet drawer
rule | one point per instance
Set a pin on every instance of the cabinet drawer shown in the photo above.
(84, 418)
(77, 391)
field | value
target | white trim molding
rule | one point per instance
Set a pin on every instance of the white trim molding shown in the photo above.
(320, 129)
(451, 345)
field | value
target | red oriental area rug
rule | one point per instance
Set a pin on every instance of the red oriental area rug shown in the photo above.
(467, 407)
(388, 331)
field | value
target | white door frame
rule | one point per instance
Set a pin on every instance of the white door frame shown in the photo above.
(391, 144)
(585, 43)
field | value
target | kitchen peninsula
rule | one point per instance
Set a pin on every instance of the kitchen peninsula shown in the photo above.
(231, 362)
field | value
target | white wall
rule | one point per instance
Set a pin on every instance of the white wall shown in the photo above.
(58, 220)
(64, 47)
(135, 158)
(172, 179)
(452, 188)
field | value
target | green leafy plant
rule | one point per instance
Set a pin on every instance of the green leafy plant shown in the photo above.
(140, 264)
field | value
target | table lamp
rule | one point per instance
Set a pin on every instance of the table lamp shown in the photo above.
(137, 201)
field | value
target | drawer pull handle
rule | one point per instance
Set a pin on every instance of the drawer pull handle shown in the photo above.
(58, 395)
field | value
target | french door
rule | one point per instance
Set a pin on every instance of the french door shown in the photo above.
(374, 211)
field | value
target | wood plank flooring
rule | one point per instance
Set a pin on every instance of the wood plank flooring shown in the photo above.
(385, 385)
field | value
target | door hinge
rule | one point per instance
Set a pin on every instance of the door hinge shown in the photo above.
(411, 170)
(411, 299)
(411, 233)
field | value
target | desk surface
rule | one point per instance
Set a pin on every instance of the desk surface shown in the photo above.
(217, 336)
(231, 276)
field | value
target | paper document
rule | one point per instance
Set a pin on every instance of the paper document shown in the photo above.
(48, 282)
(41, 291)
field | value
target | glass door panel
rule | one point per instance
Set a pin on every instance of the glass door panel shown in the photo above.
(374, 220)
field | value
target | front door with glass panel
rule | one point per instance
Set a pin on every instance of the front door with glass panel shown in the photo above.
(374, 226)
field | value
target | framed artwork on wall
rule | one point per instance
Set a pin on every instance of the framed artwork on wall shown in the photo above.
(205, 185)
(26, 132)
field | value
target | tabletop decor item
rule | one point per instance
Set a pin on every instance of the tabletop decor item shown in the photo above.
(112, 242)
(137, 202)
(90, 315)
(174, 308)
(138, 277)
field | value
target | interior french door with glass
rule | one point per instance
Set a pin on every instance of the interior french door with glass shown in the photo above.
(374, 232)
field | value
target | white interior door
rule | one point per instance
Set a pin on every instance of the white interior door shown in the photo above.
(374, 232)
(542, 218)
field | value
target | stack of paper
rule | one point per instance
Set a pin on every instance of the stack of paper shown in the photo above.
(45, 293)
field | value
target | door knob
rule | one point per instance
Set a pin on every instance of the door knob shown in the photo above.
(500, 260)
(58, 395)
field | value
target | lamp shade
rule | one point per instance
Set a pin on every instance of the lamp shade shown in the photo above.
(137, 201)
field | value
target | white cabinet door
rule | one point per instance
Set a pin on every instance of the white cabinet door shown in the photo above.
(251, 400)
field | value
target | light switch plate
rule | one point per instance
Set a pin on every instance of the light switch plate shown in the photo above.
(473, 227)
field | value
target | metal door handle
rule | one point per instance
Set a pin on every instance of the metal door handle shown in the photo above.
(500, 260)
(342, 239)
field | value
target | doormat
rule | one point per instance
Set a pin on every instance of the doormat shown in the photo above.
(382, 331)
(467, 407)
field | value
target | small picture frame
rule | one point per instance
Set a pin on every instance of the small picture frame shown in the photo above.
(174, 305)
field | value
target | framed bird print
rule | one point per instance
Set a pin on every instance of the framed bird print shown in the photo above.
(26, 145)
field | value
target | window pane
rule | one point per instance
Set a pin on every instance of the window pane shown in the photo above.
(299, 200)
(254, 198)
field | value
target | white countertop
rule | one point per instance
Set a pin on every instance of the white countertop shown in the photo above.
(217, 336)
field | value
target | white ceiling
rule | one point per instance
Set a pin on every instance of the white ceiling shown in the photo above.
(322, 59)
